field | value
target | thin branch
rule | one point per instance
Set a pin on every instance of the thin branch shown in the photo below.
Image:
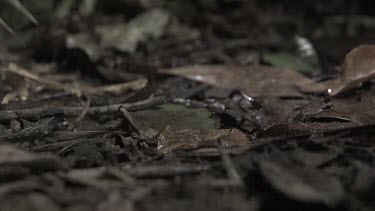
(84, 111)
(37, 113)
(77, 89)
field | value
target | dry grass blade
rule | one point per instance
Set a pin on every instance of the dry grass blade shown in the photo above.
(10, 30)
(22, 9)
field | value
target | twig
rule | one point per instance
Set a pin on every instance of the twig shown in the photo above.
(77, 89)
(150, 171)
(68, 135)
(63, 144)
(84, 111)
(144, 132)
(234, 176)
(37, 113)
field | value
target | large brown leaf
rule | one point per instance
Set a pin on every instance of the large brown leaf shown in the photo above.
(300, 183)
(255, 81)
(358, 67)
(359, 112)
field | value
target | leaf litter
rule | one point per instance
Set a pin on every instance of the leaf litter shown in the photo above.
(196, 116)
(255, 81)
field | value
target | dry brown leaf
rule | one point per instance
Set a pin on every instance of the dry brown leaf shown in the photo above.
(358, 67)
(359, 112)
(169, 140)
(255, 81)
(359, 63)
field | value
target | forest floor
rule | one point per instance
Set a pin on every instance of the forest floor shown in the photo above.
(180, 105)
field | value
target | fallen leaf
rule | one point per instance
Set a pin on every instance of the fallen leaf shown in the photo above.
(299, 129)
(312, 158)
(11, 155)
(278, 110)
(364, 183)
(18, 87)
(30, 200)
(359, 112)
(291, 61)
(150, 25)
(301, 183)
(87, 43)
(255, 81)
(359, 63)
(126, 37)
(171, 140)
(358, 67)
(150, 122)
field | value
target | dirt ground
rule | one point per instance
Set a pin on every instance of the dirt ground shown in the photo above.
(187, 105)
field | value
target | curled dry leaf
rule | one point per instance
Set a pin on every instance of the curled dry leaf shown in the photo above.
(358, 67)
(255, 81)
(185, 139)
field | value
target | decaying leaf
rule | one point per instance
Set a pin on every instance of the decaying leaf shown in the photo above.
(152, 24)
(150, 122)
(358, 67)
(11, 155)
(85, 42)
(17, 87)
(255, 81)
(291, 61)
(301, 183)
(300, 129)
(178, 117)
(359, 63)
(361, 113)
(125, 37)
(172, 140)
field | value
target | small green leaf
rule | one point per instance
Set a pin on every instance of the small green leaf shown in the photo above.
(177, 117)
(294, 62)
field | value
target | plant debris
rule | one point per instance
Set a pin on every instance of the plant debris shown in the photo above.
(255, 81)
(358, 67)
(171, 140)
(187, 105)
